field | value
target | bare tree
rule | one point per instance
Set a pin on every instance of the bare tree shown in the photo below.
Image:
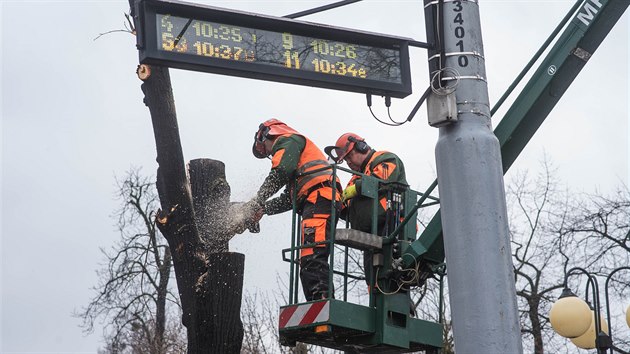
(600, 227)
(553, 230)
(536, 208)
(133, 296)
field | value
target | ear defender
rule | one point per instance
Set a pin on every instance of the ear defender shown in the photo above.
(359, 145)
(263, 133)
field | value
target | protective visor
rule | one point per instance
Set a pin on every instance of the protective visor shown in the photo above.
(335, 153)
(258, 149)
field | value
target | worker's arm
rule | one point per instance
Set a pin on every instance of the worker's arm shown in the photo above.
(285, 156)
(279, 204)
(343, 214)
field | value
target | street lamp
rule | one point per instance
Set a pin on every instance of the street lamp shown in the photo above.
(573, 318)
(570, 315)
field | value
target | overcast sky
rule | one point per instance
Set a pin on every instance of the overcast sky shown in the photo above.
(73, 119)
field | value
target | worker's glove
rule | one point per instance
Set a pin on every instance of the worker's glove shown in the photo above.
(245, 216)
(349, 193)
(255, 212)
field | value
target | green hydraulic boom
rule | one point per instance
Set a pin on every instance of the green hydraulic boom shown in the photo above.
(591, 22)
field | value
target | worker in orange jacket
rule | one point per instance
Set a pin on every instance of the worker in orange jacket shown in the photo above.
(360, 157)
(293, 156)
(358, 209)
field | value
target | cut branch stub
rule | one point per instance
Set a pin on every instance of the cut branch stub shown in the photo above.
(143, 71)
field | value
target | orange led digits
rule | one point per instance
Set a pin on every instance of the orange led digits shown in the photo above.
(286, 50)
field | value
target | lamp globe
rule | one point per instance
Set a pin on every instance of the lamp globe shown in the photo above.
(570, 316)
(587, 340)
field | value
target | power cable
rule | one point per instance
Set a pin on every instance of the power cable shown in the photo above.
(369, 104)
(321, 8)
(411, 115)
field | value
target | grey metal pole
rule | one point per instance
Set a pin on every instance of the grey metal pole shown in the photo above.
(482, 292)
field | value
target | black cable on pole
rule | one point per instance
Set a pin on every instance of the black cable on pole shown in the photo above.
(395, 124)
(321, 8)
(420, 102)
(413, 112)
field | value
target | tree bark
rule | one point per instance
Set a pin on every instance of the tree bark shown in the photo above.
(220, 329)
(209, 278)
(162, 293)
(211, 196)
(534, 317)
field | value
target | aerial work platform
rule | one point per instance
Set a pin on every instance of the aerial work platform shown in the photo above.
(353, 328)
(385, 324)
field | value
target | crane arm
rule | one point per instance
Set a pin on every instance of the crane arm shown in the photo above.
(591, 23)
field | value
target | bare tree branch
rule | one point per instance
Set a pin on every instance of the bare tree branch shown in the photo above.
(133, 297)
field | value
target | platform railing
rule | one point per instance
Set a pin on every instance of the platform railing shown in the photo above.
(375, 185)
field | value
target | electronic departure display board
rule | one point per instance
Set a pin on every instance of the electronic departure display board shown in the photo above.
(215, 40)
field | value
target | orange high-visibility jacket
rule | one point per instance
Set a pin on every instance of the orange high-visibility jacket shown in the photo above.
(295, 164)
(381, 164)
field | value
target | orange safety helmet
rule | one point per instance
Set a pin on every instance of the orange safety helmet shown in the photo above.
(267, 129)
(345, 144)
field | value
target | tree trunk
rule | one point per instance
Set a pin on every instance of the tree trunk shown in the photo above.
(210, 291)
(210, 284)
(534, 317)
(220, 289)
(162, 293)
(176, 219)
